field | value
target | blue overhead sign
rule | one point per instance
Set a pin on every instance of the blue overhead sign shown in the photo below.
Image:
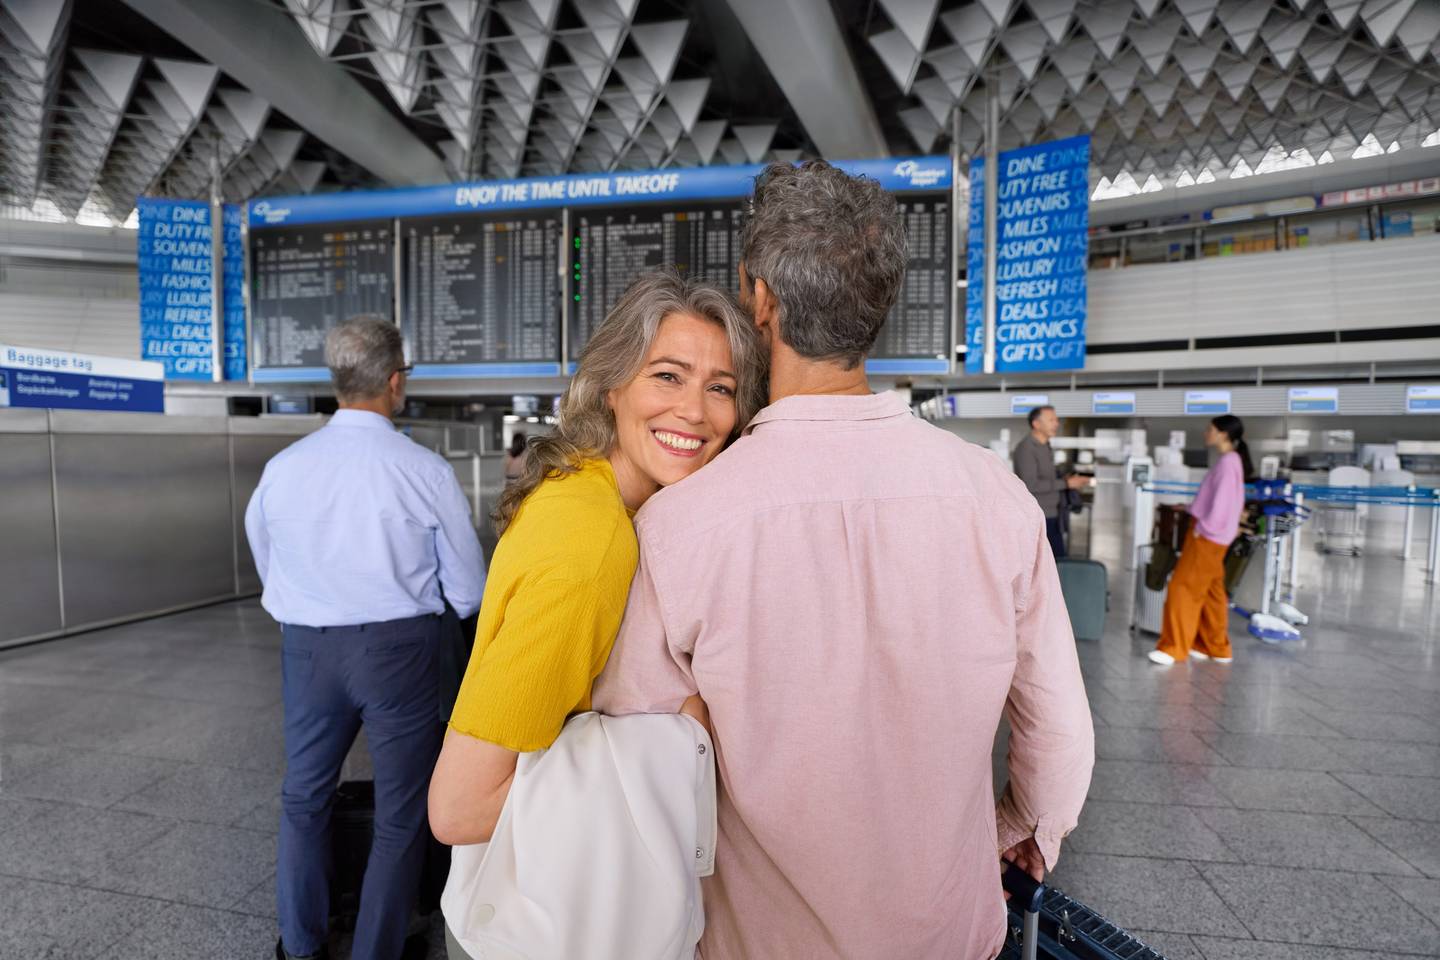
(1112, 404)
(897, 174)
(1212, 402)
(77, 381)
(1042, 241)
(176, 306)
(1314, 400)
(1422, 398)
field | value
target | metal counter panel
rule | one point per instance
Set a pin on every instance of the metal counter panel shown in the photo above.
(145, 523)
(29, 582)
(250, 453)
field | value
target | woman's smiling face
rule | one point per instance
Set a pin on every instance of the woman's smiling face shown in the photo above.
(675, 415)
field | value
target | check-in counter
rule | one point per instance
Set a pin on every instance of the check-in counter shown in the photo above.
(109, 517)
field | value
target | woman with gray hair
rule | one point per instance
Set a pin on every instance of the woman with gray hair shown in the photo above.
(666, 382)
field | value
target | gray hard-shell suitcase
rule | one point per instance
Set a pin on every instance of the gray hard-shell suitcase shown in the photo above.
(1085, 586)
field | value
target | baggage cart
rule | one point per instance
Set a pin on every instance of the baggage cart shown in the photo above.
(1045, 924)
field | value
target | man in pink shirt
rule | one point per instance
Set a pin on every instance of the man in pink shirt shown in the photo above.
(858, 596)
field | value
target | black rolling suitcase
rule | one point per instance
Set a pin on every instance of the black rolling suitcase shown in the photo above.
(1047, 925)
(352, 827)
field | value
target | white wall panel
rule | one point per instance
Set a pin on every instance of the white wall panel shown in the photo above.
(108, 327)
(1389, 283)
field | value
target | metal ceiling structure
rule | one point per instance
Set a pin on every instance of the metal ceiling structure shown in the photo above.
(1168, 86)
(99, 104)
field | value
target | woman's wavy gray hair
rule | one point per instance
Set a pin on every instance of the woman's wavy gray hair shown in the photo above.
(831, 248)
(614, 356)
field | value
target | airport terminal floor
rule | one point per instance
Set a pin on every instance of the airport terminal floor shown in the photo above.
(1282, 807)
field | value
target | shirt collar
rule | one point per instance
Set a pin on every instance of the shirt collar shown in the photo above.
(875, 406)
(361, 418)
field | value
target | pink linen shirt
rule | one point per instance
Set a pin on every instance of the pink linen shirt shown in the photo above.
(859, 596)
(1217, 507)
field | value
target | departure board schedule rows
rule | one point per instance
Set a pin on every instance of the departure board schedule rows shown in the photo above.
(305, 280)
(613, 247)
(482, 290)
(919, 323)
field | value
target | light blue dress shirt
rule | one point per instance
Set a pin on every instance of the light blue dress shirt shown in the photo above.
(357, 523)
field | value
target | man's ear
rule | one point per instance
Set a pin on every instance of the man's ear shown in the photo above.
(766, 306)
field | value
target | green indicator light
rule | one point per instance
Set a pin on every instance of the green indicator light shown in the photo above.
(577, 266)
(577, 276)
(577, 243)
(577, 298)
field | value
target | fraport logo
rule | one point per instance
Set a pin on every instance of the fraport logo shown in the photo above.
(269, 214)
(918, 174)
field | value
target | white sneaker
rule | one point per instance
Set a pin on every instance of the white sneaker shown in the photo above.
(1160, 657)
(1197, 655)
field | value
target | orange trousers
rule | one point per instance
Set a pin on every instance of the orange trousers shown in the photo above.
(1196, 606)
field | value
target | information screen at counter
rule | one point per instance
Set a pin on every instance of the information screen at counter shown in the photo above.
(482, 289)
(304, 280)
(612, 246)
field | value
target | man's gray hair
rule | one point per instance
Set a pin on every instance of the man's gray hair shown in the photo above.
(831, 248)
(362, 353)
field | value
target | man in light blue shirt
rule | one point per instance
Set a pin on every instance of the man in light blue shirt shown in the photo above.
(361, 537)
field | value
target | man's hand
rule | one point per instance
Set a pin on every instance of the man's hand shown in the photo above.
(1075, 481)
(1027, 856)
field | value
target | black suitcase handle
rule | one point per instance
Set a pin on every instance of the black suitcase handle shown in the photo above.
(1026, 893)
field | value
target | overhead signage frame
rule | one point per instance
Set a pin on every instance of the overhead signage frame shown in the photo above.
(898, 174)
(1314, 400)
(1211, 403)
(895, 174)
(1112, 404)
(1022, 403)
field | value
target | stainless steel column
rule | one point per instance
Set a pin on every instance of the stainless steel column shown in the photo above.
(992, 188)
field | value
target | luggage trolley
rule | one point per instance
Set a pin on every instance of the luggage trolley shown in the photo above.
(1045, 923)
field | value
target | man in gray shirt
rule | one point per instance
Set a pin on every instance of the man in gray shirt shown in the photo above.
(1035, 465)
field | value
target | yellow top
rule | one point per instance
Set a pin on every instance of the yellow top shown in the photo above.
(554, 598)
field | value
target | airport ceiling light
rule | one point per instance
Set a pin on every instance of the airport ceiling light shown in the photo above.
(1169, 87)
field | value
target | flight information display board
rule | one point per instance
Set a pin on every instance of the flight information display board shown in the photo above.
(305, 280)
(482, 289)
(919, 323)
(613, 245)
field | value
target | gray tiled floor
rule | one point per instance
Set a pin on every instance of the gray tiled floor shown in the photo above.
(1284, 807)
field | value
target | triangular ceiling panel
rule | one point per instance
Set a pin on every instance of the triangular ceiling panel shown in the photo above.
(914, 18)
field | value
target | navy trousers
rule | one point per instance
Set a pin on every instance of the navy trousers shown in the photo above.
(382, 675)
(1055, 533)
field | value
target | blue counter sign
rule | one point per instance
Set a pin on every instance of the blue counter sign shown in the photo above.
(1314, 399)
(1422, 398)
(75, 381)
(1022, 403)
(1207, 402)
(1112, 404)
(1042, 242)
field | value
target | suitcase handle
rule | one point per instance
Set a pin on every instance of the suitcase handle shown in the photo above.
(1026, 893)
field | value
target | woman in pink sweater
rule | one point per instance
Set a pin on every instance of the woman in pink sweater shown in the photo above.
(1196, 605)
